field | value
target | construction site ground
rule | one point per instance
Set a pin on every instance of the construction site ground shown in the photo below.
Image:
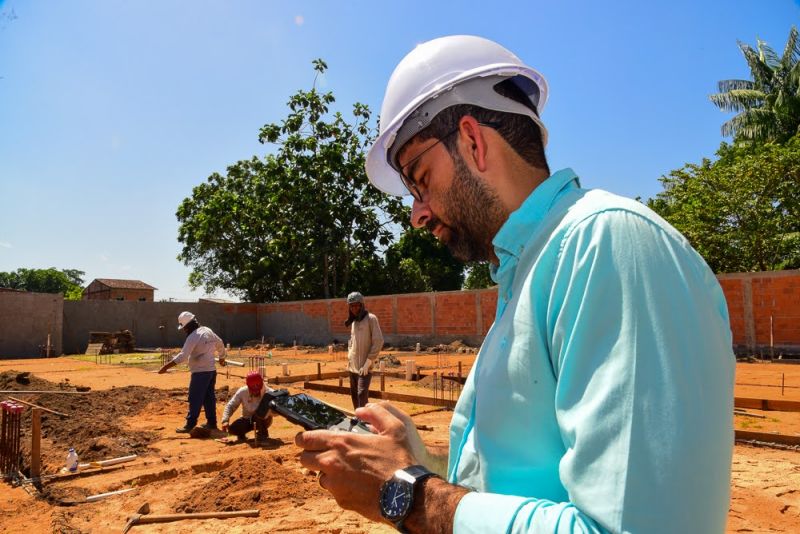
(130, 409)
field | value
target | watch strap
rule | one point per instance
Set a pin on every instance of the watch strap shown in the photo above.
(418, 473)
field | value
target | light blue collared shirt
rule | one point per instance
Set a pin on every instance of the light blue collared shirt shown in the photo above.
(602, 397)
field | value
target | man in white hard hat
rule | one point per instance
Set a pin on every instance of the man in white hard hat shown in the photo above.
(602, 397)
(363, 349)
(198, 351)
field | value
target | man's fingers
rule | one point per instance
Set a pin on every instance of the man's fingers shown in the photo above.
(314, 440)
(379, 416)
(397, 412)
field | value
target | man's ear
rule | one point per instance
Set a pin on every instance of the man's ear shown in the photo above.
(475, 144)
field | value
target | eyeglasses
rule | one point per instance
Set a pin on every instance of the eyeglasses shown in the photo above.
(410, 184)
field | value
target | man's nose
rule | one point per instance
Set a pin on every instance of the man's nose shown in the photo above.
(420, 213)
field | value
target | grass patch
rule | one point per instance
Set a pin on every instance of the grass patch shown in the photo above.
(132, 358)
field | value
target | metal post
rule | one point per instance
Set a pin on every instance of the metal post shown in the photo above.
(771, 339)
(319, 371)
(383, 382)
(783, 382)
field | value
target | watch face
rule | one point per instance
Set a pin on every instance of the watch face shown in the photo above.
(396, 498)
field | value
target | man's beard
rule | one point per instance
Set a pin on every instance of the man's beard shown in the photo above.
(475, 215)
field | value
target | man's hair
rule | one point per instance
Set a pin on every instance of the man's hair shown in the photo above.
(519, 131)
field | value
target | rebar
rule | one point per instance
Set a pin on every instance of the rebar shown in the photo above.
(259, 364)
(10, 439)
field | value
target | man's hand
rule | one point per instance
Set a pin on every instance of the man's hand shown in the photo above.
(364, 371)
(354, 466)
(225, 426)
(163, 369)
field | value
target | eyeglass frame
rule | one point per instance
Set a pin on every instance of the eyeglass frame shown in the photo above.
(410, 184)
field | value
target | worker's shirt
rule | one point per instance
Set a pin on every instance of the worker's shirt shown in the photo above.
(198, 350)
(243, 398)
(602, 397)
(366, 341)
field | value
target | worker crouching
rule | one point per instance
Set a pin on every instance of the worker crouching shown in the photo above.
(249, 397)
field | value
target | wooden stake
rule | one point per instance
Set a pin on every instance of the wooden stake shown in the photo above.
(36, 442)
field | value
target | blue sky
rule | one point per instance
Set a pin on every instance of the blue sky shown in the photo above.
(111, 112)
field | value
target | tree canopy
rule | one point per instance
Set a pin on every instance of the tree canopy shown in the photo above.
(742, 211)
(298, 222)
(768, 105)
(66, 281)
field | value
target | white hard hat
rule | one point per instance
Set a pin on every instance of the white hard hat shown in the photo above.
(458, 69)
(185, 318)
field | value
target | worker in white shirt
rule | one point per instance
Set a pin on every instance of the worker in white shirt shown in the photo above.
(198, 352)
(249, 397)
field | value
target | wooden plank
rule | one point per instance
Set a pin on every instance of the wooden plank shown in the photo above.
(32, 405)
(93, 349)
(767, 404)
(384, 395)
(42, 392)
(767, 437)
(36, 443)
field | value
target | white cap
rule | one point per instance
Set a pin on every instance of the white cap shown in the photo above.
(458, 69)
(185, 318)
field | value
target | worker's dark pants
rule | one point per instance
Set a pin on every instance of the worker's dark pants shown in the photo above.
(243, 425)
(359, 389)
(201, 394)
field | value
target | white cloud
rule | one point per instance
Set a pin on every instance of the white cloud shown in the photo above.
(299, 20)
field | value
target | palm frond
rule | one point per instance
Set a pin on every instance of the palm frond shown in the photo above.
(762, 73)
(725, 86)
(768, 55)
(752, 125)
(738, 100)
(791, 51)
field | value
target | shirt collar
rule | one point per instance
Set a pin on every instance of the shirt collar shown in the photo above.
(516, 231)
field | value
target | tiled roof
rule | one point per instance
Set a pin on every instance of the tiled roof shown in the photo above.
(123, 284)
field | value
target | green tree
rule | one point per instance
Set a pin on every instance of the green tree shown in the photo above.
(293, 224)
(478, 276)
(742, 211)
(768, 106)
(66, 281)
(437, 269)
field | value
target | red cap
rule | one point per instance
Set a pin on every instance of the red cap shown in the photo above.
(254, 381)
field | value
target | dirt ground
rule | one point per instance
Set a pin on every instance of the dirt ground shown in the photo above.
(132, 410)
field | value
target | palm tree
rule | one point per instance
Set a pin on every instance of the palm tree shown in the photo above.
(768, 106)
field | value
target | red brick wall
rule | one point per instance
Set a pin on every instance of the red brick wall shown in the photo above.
(414, 314)
(734, 294)
(456, 313)
(752, 298)
(757, 299)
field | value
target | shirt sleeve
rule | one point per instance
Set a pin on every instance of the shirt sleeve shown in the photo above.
(640, 344)
(231, 406)
(377, 338)
(219, 345)
(188, 347)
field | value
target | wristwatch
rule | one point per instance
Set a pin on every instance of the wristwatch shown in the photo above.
(397, 494)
